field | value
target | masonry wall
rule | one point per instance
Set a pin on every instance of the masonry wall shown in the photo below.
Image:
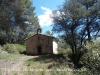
(37, 40)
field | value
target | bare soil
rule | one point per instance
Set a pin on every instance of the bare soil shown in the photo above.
(6, 67)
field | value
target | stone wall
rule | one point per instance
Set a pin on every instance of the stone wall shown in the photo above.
(37, 42)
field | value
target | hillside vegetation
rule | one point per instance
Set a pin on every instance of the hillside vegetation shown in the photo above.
(60, 64)
(17, 64)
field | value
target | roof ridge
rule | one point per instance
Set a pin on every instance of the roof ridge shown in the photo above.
(39, 34)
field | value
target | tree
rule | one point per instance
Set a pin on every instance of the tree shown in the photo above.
(75, 23)
(48, 33)
(66, 22)
(5, 19)
(17, 18)
(90, 18)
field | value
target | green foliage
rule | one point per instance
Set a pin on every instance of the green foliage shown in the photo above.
(62, 46)
(91, 59)
(48, 33)
(30, 34)
(2, 37)
(76, 20)
(15, 24)
(64, 49)
(14, 48)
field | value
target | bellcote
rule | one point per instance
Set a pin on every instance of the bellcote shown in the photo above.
(39, 31)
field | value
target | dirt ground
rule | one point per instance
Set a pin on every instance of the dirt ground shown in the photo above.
(6, 67)
(19, 64)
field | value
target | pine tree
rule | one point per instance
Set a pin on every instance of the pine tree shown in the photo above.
(17, 19)
(90, 17)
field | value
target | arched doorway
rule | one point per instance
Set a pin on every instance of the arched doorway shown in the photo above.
(39, 50)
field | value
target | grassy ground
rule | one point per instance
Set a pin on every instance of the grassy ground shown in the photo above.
(8, 62)
(17, 64)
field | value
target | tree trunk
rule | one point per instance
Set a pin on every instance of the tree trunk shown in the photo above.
(88, 32)
(88, 25)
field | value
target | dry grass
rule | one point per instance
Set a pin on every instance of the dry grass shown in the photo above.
(34, 65)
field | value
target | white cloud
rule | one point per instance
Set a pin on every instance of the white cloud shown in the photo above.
(45, 19)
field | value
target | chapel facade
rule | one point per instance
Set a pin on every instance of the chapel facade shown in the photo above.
(41, 44)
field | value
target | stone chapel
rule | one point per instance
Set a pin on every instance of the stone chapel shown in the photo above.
(41, 44)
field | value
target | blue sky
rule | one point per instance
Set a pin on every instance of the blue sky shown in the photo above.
(43, 10)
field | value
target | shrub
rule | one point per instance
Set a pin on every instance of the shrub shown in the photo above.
(14, 48)
(91, 60)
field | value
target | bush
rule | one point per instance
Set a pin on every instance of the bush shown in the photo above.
(0, 47)
(14, 48)
(91, 60)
